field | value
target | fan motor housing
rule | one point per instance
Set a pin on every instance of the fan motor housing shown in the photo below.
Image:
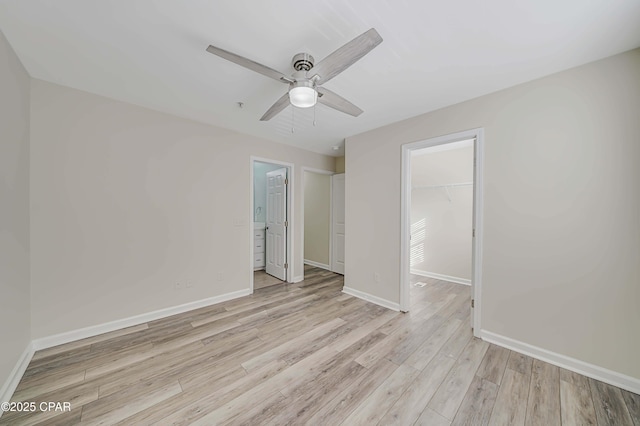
(302, 62)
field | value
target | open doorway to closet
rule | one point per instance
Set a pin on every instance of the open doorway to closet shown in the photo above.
(271, 237)
(441, 232)
(323, 213)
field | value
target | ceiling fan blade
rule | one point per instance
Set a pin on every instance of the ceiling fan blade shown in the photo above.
(335, 101)
(345, 56)
(276, 108)
(248, 63)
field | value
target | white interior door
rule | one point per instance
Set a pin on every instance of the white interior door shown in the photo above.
(337, 228)
(276, 248)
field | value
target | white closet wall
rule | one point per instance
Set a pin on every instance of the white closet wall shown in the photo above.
(441, 214)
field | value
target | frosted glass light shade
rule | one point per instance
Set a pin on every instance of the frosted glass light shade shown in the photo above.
(303, 97)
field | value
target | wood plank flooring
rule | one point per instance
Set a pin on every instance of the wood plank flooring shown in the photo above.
(306, 353)
(261, 280)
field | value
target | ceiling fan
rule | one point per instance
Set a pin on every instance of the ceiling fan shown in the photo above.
(305, 83)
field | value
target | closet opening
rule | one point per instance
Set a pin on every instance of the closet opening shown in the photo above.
(441, 225)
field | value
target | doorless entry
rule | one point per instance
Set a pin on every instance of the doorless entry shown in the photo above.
(477, 136)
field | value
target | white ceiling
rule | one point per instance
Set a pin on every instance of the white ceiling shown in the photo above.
(434, 53)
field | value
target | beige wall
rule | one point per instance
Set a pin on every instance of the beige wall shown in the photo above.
(317, 216)
(15, 310)
(340, 164)
(561, 209)
(441, 218)
(128, 201)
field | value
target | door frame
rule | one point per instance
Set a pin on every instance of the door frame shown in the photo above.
(290, 218)
(405, 217)
(331, 229)
(304, 194)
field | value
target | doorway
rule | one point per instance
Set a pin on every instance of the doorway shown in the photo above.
(323, 215)
(272, 224)
(317, 217)
(469, 194)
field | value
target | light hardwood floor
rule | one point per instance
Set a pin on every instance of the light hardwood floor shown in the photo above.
(261, 280)
(306, 353)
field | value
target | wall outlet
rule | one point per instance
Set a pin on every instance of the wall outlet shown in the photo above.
(178, 286)
(220, 276)
(189, 284)
(376, 277)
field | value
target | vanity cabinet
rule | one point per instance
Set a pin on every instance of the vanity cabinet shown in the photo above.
(258, 247)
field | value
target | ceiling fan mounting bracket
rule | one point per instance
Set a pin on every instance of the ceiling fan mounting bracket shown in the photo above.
(302, 62)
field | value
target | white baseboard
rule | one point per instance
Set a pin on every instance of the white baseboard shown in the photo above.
(317, 264)
(620, 380)
(297, 279)
(83, 333)
(371, 298)
(10, 385)
(449, 278)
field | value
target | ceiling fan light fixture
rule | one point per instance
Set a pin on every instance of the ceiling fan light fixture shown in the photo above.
(309, 75)
(303, 94)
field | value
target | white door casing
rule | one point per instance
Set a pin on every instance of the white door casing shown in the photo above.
(473, 236)
(276, 224)
(405, 219)
(337, 228)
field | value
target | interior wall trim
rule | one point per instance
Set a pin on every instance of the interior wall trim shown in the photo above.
(596, 372)
(371, 298)
(10, 385)
(94, 330)
(442, 277)
(317, 264)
